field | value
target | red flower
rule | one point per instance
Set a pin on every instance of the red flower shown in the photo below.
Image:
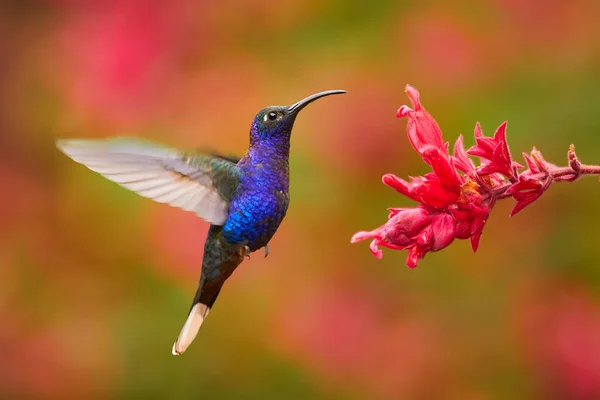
(426, 137)
(525, 192)
(419, 230)
(495, 153)
(400, 232)
(450, 206)
(427, 190)
(422, 130)
(461, 160)
(457, 197)
(535, 162)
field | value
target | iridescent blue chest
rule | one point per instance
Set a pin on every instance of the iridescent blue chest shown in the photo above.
(261, 200)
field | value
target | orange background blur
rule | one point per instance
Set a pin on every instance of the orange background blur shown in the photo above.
(95, 282)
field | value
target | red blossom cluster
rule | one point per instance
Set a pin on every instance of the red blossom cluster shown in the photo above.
(456, 198)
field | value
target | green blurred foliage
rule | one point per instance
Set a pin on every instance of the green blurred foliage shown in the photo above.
(95, 281)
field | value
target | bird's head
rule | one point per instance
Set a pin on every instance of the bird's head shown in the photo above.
(276, 122)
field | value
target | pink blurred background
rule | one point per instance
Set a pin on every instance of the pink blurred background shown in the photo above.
(95, 281)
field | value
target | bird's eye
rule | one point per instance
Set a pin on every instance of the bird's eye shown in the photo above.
(272, 116)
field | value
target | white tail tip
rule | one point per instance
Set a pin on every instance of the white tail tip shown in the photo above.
(190, 329)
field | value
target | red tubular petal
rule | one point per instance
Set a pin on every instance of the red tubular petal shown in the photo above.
(524, 187)
(525, 199)
(501, 160)
(422, 130)
(397, 232)
(500, 134)
(519, 206)
(461, 159)
(488, 169)
(375, 250)
(403, 111)
(481, 212)
(425, 191)
(394, 235)
(425, 237)
(442, 167)
(414, 96)
(477, 227)
(461, 215)
(400, 185)
(538, 158)
(475, 241)
(397, 183)
(525, 191)
(463, 230)
(532, 165)
(364, 235)
(444, 229)
(477, 151)
(478, 131)
(433, 193)
(411, 220)
(414, 255)
(516, 165)
(574, 162)
(485, 145)
(495, 151)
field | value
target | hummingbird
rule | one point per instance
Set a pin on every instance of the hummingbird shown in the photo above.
(244, 200)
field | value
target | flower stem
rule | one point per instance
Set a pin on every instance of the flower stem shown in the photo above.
(554, 173)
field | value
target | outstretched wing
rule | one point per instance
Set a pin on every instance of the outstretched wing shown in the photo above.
(199, 183)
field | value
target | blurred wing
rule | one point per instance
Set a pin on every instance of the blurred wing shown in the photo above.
(198, 183)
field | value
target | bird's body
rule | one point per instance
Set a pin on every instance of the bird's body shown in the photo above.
(245, 202)
(262, 197)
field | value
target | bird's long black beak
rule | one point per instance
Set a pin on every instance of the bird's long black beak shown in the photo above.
(294, 108)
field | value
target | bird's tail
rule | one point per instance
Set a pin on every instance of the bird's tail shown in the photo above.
(219, 262)
(200, 308)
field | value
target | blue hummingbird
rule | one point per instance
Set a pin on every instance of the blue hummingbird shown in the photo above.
(244, 200)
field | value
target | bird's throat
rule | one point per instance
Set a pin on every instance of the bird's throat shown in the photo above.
(272, 151)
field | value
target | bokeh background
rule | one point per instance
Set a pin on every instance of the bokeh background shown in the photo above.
(95, 281)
